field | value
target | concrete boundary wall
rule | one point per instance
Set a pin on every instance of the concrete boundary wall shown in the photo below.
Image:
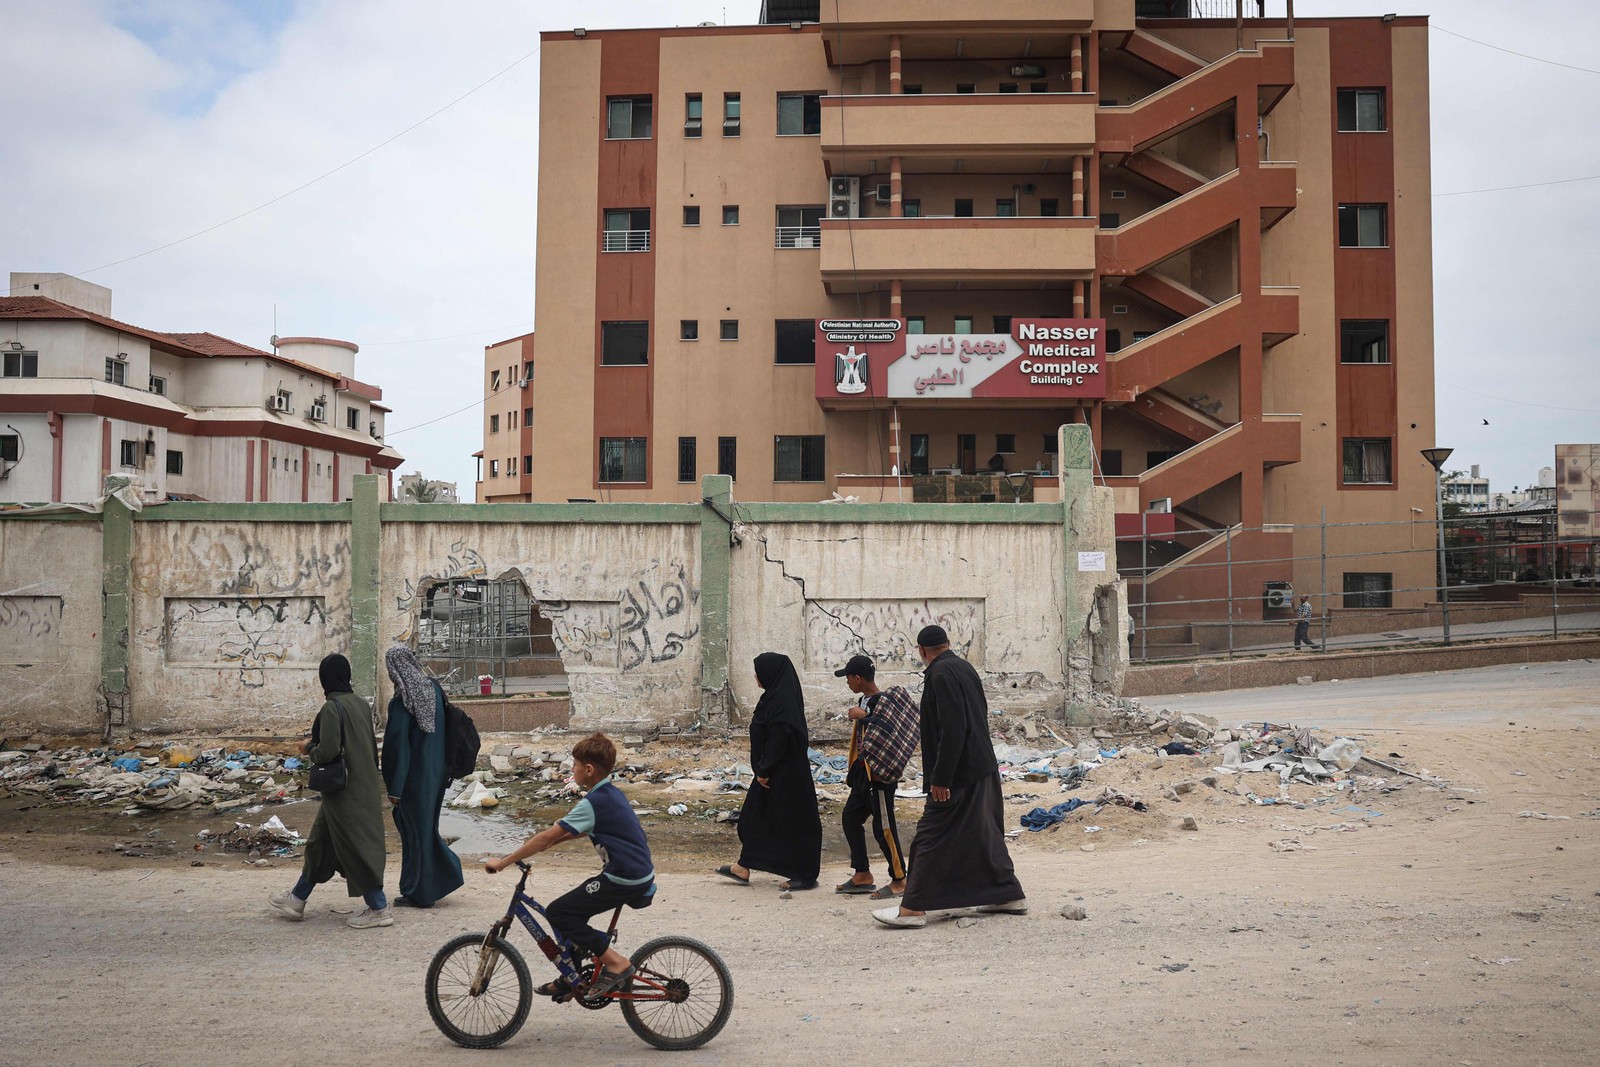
(190, 617)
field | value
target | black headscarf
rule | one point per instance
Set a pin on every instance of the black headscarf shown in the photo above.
(335, 671)
(781, 697)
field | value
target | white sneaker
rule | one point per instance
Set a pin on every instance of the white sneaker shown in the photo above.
(892, 917)
(366, 919)
(1010, 907)
(288, 905)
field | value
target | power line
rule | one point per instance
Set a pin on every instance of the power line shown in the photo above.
(447, 415)
(325, 174)
(1512, 51)
(1530, 185)
(1509, 400)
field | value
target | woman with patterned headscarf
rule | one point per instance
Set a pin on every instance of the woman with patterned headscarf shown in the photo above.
(413, 771)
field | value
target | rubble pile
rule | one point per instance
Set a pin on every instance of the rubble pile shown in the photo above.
(152, 776)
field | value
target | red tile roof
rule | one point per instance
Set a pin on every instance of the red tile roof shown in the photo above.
(213, 345)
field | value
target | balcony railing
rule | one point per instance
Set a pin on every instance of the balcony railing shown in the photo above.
(626, 241)
(797, 237)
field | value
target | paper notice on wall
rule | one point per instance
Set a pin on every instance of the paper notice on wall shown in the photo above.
(1091, 561)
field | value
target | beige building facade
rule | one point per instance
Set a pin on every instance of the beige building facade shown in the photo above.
(1238, 208)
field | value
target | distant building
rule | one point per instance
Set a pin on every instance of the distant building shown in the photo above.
(191, 415)
(436, 492)
(1471, 491)
(505, 466)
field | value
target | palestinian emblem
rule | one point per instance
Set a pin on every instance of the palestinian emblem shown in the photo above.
(850, 371)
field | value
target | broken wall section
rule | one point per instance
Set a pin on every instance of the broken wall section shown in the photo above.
(50, 614)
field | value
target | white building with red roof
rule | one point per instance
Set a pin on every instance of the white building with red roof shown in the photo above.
(193, 416)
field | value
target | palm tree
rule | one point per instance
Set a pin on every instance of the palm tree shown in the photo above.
(423, 491)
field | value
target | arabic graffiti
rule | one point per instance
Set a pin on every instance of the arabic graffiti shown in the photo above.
(648, 624)
(30, 628)
(253, 634)
(886, 630)
(464, 561)
(585, 632)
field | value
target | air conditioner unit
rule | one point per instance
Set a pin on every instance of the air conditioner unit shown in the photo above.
(883, 194)
(1280, 595)
(844, 198)
(318, 411)
(1163, 506)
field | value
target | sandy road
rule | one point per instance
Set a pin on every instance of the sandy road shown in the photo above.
(1447, 930)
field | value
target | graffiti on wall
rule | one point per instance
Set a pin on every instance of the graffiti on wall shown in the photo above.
(650, 623)
(886, 630)
(30, 629)
(585, 632)
(464, 561)
(250, 634)
(258, 572)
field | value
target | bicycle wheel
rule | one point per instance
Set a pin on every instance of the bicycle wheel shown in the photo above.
(497, 1010)
(682, 995)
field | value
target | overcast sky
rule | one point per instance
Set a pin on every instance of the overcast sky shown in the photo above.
(133, 123)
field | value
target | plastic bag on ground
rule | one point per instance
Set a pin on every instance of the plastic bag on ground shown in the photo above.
(1343, 753)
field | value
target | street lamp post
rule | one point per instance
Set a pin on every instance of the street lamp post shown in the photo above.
(1436, 457)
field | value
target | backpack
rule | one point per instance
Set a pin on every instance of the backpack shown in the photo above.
(461, 743)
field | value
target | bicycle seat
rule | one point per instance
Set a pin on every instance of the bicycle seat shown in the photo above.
(644, 901)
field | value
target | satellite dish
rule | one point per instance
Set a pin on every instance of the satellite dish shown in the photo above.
(273, 340)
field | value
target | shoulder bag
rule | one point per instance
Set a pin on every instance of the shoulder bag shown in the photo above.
(330, 778)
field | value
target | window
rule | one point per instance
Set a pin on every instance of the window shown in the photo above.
(963, 209)
(966, 88)
(799, 226)
(622, 459)
(911, 209)
(21, 364)
(130, 453)
(511, 421)
(527, 464)
(1002, 324)
(1005, 209)
(1049, 208)
(1114, 339)
(919, 453)
(1363, 225)
(1008, 87)
(627, 230)
(691, 114)
(494, 381)
(1140, 335)
(691, 215)
(730, 214)
(527, 416)
(1369, 589)
(794, 341)
(1366, 460)
(494, 423)
(10, 447)
(352, 418)
(275, 463)
(1110, 220)
(963, 324)
(511, 467)
(728, 456)
(730, 114)
(1052, 444)
(911, 90)
(1363, 340)
(628, 118)
(624, 344)
(798, 458)
(527, 372)
(1157, 456)
(689, 329)
(729, 330)
(1111, 462)
(1361, 111)
(916, 324)
(116, 372)
(686, 459)
(1005, 443)
(799, 114)
(494, 468)
(1038, 87)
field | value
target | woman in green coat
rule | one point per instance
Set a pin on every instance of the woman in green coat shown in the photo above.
(413, 768)
(347, 837)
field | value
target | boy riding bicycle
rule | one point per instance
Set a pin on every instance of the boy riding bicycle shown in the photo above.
(606, 818)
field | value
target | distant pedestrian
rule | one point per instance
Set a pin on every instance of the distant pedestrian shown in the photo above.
(779, 827)
(414, 774)
(959, 857)
(1302, 624)
(347, 836)
(885, 734)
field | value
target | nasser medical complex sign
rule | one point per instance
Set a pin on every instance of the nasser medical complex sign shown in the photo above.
(1040, 359)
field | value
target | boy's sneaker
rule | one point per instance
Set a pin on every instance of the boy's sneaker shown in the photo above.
(288, 905)
(366, 919)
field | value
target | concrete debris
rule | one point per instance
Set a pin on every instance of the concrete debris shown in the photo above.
(1190, 823)
(1542, 815)
(178, 776)
(1073, 912)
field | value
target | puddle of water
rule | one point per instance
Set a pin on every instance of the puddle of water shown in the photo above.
(479, 832)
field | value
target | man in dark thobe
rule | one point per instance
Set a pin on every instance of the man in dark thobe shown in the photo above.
(958, 859)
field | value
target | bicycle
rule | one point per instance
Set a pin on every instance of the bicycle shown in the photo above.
(679, 998)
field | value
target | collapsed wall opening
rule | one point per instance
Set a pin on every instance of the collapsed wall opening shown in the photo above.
(468, 627)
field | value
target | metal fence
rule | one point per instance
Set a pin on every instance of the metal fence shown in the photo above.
(1228, 591)
(626, 241)
(797, 237)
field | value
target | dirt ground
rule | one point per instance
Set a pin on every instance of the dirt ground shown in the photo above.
(1448, 929)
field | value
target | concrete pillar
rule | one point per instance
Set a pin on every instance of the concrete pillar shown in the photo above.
(895, 84)
(716, 573)
(1077, 62)
(896, 188)
(116, 581)
(896, 299)
(366, 544)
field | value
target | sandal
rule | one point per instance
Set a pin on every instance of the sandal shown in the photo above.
(792, 886)
(853, 888)
(610, 982)
(884, 894)
(558, 988)
(726, 870)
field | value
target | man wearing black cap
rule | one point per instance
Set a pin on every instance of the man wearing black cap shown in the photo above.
(959, 858)
(881, 744)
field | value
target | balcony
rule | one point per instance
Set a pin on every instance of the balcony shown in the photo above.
(797, 237)
(955, 14)
(626, 241)
(1028, 128)
(857, 31)
(1001, 252)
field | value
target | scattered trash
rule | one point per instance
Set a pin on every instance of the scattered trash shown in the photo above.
(1498, 961)
(678, 809)
(1042, 819)
(1173, 968)
(1290, 845)
(1543, 815)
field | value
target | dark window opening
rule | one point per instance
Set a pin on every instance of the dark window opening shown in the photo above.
(26, 365)
(622, 459)
(624, 344)
(799, 114)
(686, 459)
(1002, 324)
(691, 215)
(1361, 111)
(689, 330)
(1005, 443)
(1049, 208)
(1111, 462)
(1372, 589)
(730, 214)
(1363, 225)
(794, 341)
(728, 456)
(963, 209)
(691, 115)
(729, 330)
(799, 458)
(628, 118)
(1366, 461)
(730, 114)
(967, 452)
(1364, 341)
(919, 453)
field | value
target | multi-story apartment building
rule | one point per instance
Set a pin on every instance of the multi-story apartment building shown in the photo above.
(1235, 210)
(505, 466)
(190, 415)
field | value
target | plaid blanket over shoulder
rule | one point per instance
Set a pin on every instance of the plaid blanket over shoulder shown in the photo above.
(891, 734)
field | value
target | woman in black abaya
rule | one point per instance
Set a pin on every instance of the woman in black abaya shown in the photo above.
(779, 827)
